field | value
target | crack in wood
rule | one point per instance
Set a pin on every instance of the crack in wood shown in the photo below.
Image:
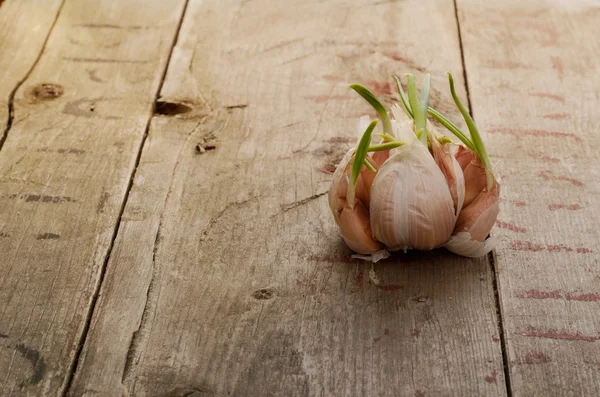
(295, 204)
(132, 355)
(491, 255)
(212, 222)
(73, 368)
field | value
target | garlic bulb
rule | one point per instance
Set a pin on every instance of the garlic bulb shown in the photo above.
(414, 190)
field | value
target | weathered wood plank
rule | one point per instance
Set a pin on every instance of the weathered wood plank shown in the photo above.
(228, 276)
(24, 27)
(533, 75)
(65, 169)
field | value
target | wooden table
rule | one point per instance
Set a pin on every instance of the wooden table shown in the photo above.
(164, 229)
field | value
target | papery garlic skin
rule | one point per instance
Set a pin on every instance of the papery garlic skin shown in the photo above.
(356, 230)
(474, 173)
(339, 187)
(411, 205)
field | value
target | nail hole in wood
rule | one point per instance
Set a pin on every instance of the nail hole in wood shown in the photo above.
(263, 293)
(44, 92)
(171, 108)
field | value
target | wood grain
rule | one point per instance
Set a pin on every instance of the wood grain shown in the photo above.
(65, 169)
(228, 276)
(532, 69)
(24, 27)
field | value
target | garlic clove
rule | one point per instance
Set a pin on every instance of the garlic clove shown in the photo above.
(411, 205)
(352, 221)
(339, 186)
(450, 167)
(474, 172)
(356, 230)
(479, 217)
(475, 223)
(464, 156)
(347, 189)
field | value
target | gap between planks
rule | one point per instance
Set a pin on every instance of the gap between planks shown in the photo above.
(88, 320)
(490, 256)
(11, 96)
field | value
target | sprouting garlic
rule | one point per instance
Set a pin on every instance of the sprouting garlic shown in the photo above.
(414, 192)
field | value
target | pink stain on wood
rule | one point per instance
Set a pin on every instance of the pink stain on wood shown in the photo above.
(518, 133)
(517, 203)
(519, 245)
(533, 357)
(507, 65)
(415, 333)
(358, 279)
(389, 287)
(510, 226)
(380, 88)
(535, 294)
(570, 207)
(570, 296)
(526, 246)
(552, 35)
(557, 64)
(545, 157)
(556, 116)
(385, 332)
(555, 334)
(556, 97)
(591, 297)
(495, 339)
(547, 177)
(501, 86)
(395, 57)
(491, 378)
(558, 248)
(331, 77)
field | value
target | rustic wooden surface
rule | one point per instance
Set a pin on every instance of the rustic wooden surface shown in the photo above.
(229, 277)
(532, 70)
(24, 28)
(202, 260)
(65, 170)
